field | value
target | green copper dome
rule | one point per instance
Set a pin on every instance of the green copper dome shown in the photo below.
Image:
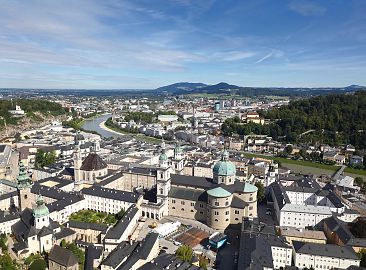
(224, 167)
(178, 149)
(163, 157)
(41, 209)
(218, 192)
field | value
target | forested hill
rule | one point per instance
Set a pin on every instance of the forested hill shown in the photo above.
(34, 108)
(336, 119)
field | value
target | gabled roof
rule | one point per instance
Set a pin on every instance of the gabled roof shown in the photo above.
(326, 250)
(93, 162)
(62, 256)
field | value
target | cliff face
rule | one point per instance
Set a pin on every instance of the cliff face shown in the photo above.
(27, 123)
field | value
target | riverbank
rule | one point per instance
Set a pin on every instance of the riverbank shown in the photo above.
(138, 136)
(103, 126)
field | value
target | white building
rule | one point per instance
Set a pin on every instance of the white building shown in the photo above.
(303, 203)
(323, 256)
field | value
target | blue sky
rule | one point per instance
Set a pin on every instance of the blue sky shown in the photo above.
(146, 44)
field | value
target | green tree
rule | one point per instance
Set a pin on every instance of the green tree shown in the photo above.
(260, 193)
(362, 255)
(359, 181)
(63, 243)
(185, 253)
(203, 263)
(289, 149)
(78, 253)
(7, 263)
(359, 228)
(31, 258)
(3, 245)
(39, 264)
(120, 214)
(44, 159)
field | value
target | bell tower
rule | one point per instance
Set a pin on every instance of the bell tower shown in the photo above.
(163, 176)
(24, 185)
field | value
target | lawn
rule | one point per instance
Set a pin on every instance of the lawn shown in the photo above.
(295, 162)
(309, 164)
(91, 216)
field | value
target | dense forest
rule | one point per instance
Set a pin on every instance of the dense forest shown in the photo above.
(331, 119)
(30, 106)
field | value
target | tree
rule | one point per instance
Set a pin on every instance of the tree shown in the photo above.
(44, 159)
(260, 192)
(362, 255)
(359, 228)
(203, 263)
(185, 253)
(289, 149)
(359, 181)
(78, 253)
(3, 244)
(7, 263)
(31, 258)
(39, 264)
(120, 214)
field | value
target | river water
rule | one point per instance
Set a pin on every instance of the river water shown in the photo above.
(93, 124)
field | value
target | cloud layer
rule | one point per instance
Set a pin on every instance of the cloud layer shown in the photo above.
(145, 44)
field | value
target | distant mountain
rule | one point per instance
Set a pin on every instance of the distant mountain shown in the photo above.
(354, 87)
(220, 87)
(181, 87)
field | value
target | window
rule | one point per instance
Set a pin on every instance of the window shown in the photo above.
(216, 213)
(173, 201)
(182, 202)
(236, 212)
(192, 203)
(227, 213)
(216, 203)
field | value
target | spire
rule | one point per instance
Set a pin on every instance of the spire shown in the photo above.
(225, 155)
(162, 145)
(23, 179)
(40, 200)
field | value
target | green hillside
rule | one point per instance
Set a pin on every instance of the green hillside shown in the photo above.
(335, 119)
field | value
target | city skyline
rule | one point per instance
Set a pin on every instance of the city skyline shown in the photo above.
(137, 44)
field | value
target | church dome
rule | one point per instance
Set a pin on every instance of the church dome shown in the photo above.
(41, 209)
(178, 149)
(224, 166)
(163, 157)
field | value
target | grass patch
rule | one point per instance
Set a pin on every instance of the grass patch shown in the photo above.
(355, 171)
(299, 162)
(91, 216)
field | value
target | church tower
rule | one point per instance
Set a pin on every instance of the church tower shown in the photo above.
(178, 160)
(163, 176)
(77, 164)
(24, 185)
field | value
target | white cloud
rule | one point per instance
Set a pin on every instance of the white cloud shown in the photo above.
(307, 8)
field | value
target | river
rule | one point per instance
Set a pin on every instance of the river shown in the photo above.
(94, 124)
